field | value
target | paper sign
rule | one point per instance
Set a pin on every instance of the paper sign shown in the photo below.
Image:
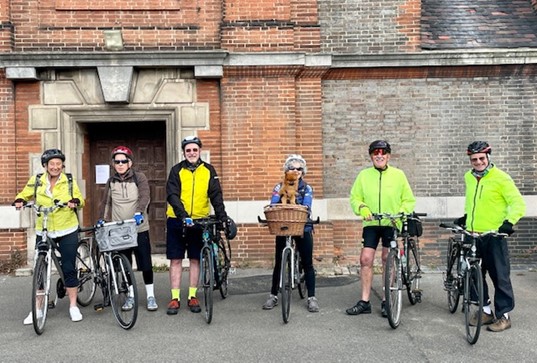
(102, 173)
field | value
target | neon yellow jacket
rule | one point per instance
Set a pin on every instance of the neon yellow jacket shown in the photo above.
(62, 219)
(384, 191)
(491, 200)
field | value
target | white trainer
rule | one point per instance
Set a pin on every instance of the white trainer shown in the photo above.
(74, 311)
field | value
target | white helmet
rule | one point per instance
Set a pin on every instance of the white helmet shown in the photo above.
(295, 158)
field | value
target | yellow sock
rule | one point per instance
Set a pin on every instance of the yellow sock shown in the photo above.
(192, 292)
(176, 294)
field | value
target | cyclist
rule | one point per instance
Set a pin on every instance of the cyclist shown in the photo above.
(493, 202)
(191, 187)
(377, 189)
(126, 195)
(304, 244)
(45, 189)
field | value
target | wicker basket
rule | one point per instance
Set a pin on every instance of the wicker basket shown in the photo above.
(286, 219)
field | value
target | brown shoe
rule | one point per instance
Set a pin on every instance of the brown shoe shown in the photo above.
(486, 319)
(500, 324)
(173, 307)
(194, 305)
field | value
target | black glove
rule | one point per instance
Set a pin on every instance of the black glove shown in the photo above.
(506, 227)
(75, 201)
(18, 200)
(460, 221)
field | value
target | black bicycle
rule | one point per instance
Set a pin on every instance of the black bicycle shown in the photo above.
(112, 271)
(47, 254)
(403, 265)
(464, 277)
(215, 262)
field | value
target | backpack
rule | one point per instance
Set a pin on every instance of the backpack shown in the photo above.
(38, 183)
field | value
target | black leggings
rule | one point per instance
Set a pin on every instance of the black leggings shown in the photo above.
(305, 248)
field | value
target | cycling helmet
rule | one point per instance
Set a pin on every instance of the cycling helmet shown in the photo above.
(190, 140)
(51, 154)
(478, 147)
(295, 158)
(122, 150)
(380, 144)
(231, 229)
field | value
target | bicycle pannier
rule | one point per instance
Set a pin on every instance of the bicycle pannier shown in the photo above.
(415, 228)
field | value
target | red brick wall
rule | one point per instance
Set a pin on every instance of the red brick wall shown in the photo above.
(11, 240)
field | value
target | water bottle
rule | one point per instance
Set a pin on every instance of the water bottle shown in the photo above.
(403, 257)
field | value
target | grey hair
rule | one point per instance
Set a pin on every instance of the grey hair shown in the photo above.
(295, 158)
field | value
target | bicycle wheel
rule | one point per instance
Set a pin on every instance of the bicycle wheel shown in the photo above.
(300, 278)
(473, 301)
(451, 282)
(393, 288)
(122, 287)
(207, 281)
(40, 293)
(286, 283)
(223, 266)
(85, 269)
(413, 272)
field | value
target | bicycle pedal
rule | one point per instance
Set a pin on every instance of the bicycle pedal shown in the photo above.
(98, 307)
(51, 305)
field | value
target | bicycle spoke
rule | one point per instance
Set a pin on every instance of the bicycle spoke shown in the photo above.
(85, 273)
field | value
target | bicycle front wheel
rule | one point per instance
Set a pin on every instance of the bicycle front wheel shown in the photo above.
(207, 281)
(40, 293)
(85, 269)
(123, 291)
(223, 265)
(452, 281)
(413, 272)
(393, 288)
(300, 277)
(286, 283)
(473, 302)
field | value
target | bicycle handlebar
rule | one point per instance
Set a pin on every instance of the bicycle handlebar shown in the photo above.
(46, 210)
(459, 230)
(106, 224)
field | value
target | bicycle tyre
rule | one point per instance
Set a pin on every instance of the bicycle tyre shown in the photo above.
(413, 272)
(473, 301)
(286, 282)
(300, 278)
(452, 282)
(207, 281)
(40, 293)
(224, 265)
(393, 288)
(85, 269)
(122, 284)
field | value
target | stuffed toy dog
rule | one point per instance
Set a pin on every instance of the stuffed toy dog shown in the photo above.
(289, 187)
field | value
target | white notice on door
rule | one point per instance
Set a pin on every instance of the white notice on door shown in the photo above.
(102, 173)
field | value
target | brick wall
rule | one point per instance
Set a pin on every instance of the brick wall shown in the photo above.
(11, 240)
(369, 26)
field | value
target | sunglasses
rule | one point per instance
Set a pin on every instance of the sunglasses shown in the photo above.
(475, 160)
(293, 168)
(379, 152)
(192, 150)
(124, 161)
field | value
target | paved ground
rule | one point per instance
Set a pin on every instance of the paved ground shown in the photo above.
(242, 332)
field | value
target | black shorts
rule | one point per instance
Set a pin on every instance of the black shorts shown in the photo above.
(371, 236)
(142, 253)
(177, 244)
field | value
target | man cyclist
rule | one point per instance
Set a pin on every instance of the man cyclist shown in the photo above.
(377, 189)
(126, 195)
(493, 202)
(191, 187)
(45, 189)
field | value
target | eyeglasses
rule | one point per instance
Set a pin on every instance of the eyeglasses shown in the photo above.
(481, 158)
(192, 150)
(293, 168)
(124, 161)
(379, 152)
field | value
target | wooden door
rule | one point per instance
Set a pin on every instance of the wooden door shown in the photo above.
(147, 140)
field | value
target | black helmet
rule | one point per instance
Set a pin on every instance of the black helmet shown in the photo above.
(380, 144)
(190, 140)
(51, 154)
(231, 229)
(478, 147)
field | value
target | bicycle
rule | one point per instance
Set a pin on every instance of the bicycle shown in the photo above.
(112, 271)
(47, 254)
(215, 262)
(464, 277)
(402, 266)
(292, 272)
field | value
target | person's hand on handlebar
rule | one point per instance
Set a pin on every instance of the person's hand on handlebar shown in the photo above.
(19, 203)
(73, 203)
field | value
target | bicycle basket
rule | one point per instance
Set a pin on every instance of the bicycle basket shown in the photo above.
(415, 227)
(117, 236)
(286, 219)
